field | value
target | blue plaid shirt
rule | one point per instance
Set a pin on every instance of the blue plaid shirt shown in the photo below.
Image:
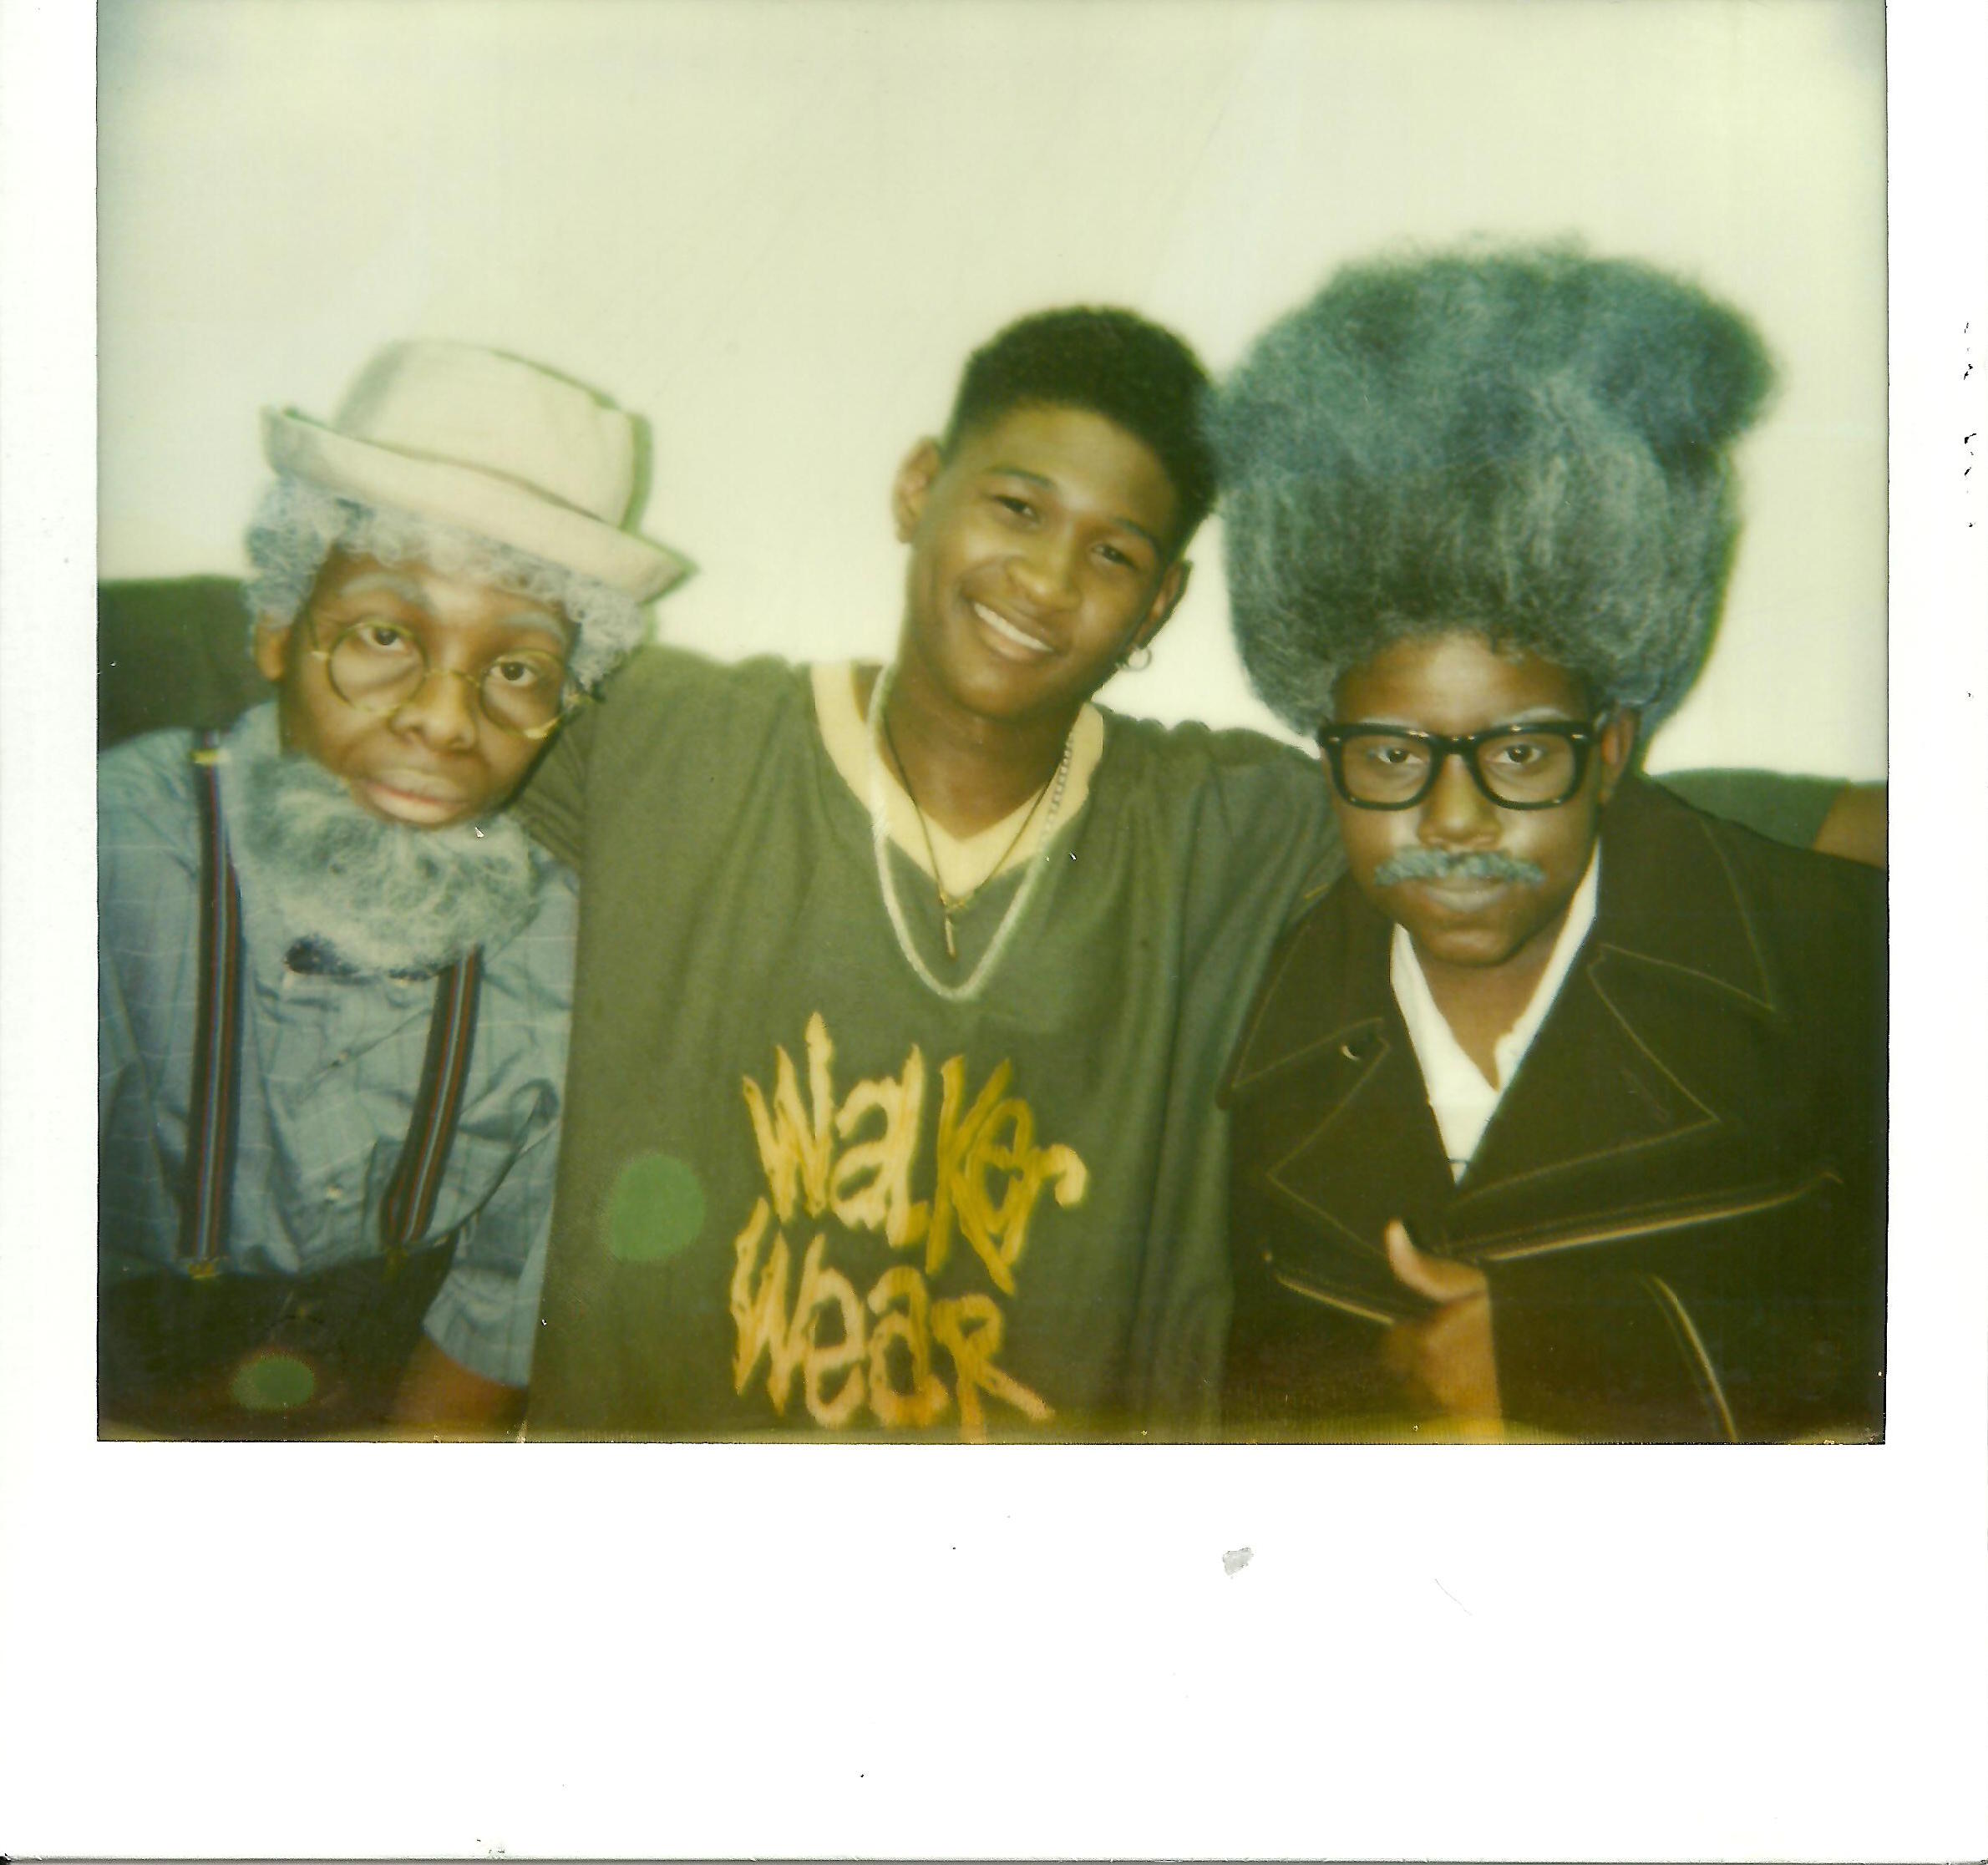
(329, 1069)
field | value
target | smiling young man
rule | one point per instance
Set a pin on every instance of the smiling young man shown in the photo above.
(335, 978)
(903, 992)
(1565, 1107)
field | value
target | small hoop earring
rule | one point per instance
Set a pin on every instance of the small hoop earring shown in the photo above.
(1137, 660)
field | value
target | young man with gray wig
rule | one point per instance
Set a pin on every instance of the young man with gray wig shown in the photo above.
(335, 977)
(1564, 1108)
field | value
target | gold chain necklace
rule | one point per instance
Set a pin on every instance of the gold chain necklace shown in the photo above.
(951, 903)
(969, 987)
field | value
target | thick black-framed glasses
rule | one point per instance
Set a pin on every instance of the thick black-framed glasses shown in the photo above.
(378, 666)
(1535, 766)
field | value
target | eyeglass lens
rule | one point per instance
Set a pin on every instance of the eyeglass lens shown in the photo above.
(1518, 766)
(377, 667)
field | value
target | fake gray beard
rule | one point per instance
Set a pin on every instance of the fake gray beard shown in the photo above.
(1449, 865)
(384, 896)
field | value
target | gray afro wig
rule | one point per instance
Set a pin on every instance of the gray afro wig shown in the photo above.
(1531, 445)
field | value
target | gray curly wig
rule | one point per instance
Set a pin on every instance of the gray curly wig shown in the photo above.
(1529, 444)
(297, 525)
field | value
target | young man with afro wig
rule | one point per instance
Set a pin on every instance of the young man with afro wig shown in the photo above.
(1565, 1107)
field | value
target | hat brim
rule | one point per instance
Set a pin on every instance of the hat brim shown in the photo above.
(490, 506)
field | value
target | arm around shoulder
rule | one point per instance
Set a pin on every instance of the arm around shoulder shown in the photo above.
(1824, 813)
(662, 697)
(1857, 825)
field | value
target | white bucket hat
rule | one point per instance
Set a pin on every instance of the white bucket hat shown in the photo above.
(493, 445)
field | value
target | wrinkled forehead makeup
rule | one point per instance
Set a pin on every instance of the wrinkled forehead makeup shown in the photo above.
(448, 601)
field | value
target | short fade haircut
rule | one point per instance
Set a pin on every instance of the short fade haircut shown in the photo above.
(1111, 363)
(1527, 444)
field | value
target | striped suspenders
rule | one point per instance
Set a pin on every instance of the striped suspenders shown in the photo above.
(217, 1032)
(410, 1200)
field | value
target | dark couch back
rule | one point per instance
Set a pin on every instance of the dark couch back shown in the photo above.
(172, 653)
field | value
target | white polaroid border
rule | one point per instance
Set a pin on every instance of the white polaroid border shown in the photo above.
(351, 1650)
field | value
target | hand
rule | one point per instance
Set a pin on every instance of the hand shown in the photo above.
(440, 1397)
(1447, 1353)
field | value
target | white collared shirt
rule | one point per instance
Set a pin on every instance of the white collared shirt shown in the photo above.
(1459, 1096)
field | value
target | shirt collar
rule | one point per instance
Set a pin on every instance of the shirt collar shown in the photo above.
(1461, 1099)
(845, 735)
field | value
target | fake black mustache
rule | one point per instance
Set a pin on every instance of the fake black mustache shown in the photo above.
(1451, 864)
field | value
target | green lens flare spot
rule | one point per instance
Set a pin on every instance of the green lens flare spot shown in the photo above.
(273, 1382)
(655, 1209)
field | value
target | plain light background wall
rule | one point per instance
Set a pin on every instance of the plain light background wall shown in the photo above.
(775, 228)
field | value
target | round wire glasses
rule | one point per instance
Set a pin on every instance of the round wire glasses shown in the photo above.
(379, 666)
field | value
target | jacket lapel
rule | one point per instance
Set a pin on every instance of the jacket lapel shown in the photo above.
(1344, 1135)
(1636, 1058)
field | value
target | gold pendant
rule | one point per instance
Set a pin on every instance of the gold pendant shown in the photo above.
(952, 952)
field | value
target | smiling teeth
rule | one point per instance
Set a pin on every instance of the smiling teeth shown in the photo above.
(1008, 631)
